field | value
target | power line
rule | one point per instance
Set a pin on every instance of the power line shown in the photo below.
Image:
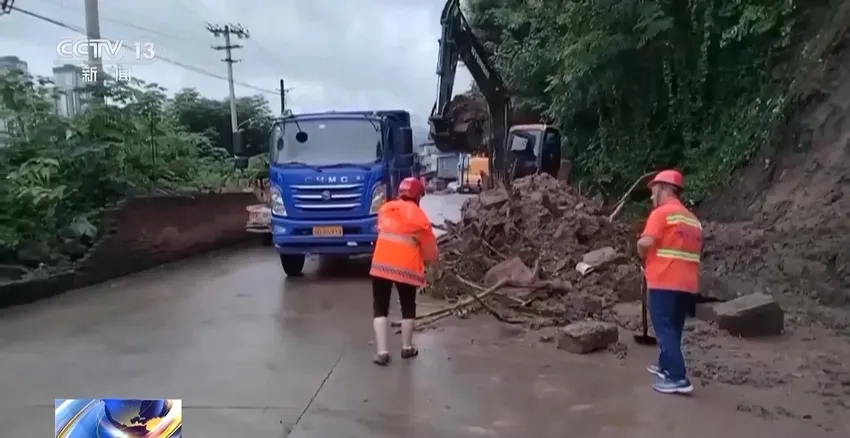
(256, 44)
(167, 60)
(128, 24)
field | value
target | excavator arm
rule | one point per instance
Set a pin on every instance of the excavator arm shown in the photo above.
(453, 129)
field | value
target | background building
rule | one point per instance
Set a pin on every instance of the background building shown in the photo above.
(69, 82)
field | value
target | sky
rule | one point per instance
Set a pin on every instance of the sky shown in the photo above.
(334, 55)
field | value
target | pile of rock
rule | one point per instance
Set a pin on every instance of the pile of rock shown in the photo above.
(554, 255)
(541, 254)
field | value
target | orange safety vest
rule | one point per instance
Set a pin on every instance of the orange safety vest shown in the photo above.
(405, 242)
(673, 263)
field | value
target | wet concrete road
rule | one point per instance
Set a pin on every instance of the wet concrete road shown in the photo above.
(254, 354)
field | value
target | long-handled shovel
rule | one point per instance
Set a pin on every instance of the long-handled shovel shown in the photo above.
(643, 337)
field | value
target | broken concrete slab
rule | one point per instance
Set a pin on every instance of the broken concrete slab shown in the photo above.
(513, 269)
(602, 256)
(598, 259)
(750, 316)
(587, 336)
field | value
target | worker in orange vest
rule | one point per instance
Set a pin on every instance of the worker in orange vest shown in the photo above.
(405, 244)
(670, 246)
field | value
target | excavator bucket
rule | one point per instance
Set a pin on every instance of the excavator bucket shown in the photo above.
(455, 136)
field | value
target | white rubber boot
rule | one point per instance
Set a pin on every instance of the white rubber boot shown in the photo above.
(407, 349)
(380, 326)
(407, 333)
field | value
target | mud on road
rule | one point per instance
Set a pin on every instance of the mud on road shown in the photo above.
(250, 351)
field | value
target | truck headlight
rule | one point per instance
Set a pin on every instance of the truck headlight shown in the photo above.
(379, 196)
(276, 202)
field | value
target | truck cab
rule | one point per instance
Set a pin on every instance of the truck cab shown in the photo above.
(329, 173)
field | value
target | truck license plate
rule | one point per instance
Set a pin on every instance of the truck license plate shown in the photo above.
(259, 216)
(327, 231)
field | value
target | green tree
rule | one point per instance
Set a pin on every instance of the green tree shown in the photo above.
(211, 118)
(637, 85)
(60, 173)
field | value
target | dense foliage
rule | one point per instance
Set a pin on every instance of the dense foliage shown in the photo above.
(59, 174)
(637, 85)
(211, 117)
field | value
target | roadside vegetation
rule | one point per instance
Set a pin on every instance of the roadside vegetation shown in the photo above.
(640, 85)
(60, 174)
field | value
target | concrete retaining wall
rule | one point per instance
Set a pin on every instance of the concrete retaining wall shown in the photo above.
(142, 233)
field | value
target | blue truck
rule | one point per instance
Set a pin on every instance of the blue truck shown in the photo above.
(329, 174)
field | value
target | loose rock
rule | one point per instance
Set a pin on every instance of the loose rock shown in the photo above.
(493, 198)
(751, 315)
(588, 304)
(587, 336)
(511, 269)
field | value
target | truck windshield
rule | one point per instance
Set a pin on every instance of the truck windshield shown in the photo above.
(327, 142)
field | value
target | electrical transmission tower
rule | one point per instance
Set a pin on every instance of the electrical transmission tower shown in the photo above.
(228, 31)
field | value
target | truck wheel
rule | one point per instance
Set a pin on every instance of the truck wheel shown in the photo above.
(293, 264)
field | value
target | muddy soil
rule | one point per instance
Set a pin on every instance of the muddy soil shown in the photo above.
(782, 228)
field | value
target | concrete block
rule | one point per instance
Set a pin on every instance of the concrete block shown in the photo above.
(750, 316)
(587, 336)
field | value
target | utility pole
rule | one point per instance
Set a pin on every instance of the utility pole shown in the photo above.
(282, 90)
(6, 6)
(229, 30)
(93, 33)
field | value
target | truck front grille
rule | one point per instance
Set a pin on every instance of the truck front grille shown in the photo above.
(329, 197)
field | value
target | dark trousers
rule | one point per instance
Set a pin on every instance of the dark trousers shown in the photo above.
(668, 310)
(382, 290)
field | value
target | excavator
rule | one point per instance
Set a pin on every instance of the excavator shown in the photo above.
(511, 153)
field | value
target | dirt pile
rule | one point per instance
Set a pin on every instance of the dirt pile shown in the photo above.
(791, 205)
(781, 228)
(529, 240)
(465, 109)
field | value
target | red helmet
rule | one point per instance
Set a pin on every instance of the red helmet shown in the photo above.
(672, 177)
(411, 188)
